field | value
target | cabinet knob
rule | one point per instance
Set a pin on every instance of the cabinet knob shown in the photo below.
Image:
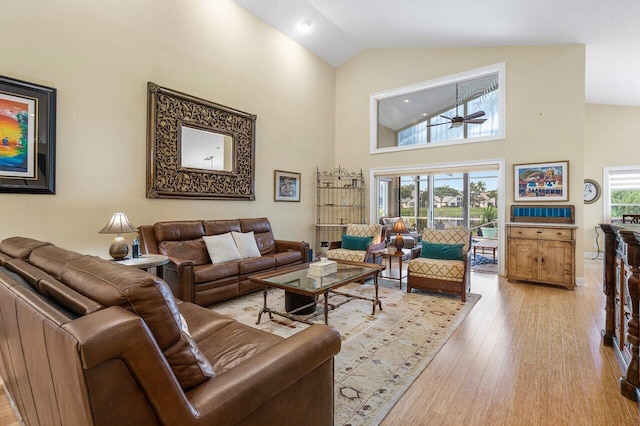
(538, 232)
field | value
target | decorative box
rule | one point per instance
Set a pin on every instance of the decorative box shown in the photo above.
(322, 268)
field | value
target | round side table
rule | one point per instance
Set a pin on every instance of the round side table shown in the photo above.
(147, 261)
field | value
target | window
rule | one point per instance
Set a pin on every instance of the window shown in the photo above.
(622, 192)
(462, 108)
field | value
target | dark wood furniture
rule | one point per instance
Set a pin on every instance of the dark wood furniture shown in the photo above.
(631, 218)
(391, 253)
(621, 275)
(541, 245)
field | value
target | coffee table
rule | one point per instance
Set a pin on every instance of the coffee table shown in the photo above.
(296, 279)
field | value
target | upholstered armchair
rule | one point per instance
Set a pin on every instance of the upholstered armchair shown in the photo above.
(358, 243)
(444, 263)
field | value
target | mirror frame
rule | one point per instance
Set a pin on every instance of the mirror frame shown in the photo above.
(425, 85)
(168, 111)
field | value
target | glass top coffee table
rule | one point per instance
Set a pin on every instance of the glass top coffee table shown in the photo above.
(298, 280)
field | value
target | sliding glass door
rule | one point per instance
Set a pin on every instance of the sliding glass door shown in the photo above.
(440, 200)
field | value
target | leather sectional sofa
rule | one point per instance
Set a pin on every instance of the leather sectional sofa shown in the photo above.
(190, 273)
(86, 341)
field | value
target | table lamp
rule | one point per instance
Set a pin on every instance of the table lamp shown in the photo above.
(399, 228)
(119, 224)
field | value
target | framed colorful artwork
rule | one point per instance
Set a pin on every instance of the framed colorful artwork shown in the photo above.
(541, 181)
(27, 137)
(287, 186)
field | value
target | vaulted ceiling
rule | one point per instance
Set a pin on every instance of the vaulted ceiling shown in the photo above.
(339, 29)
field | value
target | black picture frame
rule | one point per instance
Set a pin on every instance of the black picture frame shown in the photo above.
(27, 108)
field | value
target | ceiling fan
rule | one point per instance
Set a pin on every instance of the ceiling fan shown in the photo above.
(458, 121)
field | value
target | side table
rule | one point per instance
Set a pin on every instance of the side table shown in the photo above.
(390, 253)
(147, 261)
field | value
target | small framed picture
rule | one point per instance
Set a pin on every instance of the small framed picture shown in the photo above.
(286, 186)
(541, 181)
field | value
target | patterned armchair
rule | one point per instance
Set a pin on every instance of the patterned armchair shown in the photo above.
(337, 251)
(444, 264)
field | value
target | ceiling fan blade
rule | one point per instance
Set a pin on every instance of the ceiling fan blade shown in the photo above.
(436, 124)
(476, 120)
(444, 116)
(474, 115)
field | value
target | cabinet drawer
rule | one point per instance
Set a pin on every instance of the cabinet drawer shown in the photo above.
(540, 233)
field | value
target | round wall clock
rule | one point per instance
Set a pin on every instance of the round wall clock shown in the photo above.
(591, 191)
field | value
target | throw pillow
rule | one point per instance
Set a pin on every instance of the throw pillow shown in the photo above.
(221, 248)
(349, 242)
(442, 251)
(246, 243)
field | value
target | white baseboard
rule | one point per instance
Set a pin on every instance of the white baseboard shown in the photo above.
(581, 282)
(594, 255)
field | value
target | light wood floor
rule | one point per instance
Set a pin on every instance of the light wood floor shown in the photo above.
(525, 355)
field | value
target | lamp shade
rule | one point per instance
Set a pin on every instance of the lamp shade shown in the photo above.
(399, 227)
(119, 224)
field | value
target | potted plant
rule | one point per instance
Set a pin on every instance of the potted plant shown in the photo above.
(489, 216)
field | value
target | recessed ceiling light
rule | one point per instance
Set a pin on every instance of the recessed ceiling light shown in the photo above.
(406, 100)
(305, 26)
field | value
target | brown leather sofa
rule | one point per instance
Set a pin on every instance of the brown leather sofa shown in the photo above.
(86, 341)
(190, 273)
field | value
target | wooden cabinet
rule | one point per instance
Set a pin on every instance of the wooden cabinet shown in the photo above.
(541, 253)
(622, 307)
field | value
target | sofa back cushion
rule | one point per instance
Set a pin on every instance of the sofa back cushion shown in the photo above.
(20, 247)
(178, 230)
(217, 227)
(262, 232)
(194, 250)
(52, 259)
(111, 284)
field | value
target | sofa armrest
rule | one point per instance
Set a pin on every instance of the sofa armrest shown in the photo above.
(115, 334)
(234, 394)
(301, 246)
(179, 275)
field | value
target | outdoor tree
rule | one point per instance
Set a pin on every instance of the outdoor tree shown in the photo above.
(493, 194)
(476, 189)
(627, 201)
(440, 192)
(406, 191)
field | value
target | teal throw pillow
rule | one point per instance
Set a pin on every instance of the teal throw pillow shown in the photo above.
(442, 251)
(350, 242)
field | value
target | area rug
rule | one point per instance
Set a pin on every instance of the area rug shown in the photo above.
(381, 354)
(484, 264)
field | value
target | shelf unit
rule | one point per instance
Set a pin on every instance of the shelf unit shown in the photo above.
(340, 201)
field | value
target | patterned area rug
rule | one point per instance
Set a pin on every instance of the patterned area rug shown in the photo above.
(381, 354)
(484, 264)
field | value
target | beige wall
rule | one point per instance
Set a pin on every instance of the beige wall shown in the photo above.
(544, 108)
(611, 139)
(100, 58)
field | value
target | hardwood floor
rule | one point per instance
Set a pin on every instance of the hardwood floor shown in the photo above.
(525, 355)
